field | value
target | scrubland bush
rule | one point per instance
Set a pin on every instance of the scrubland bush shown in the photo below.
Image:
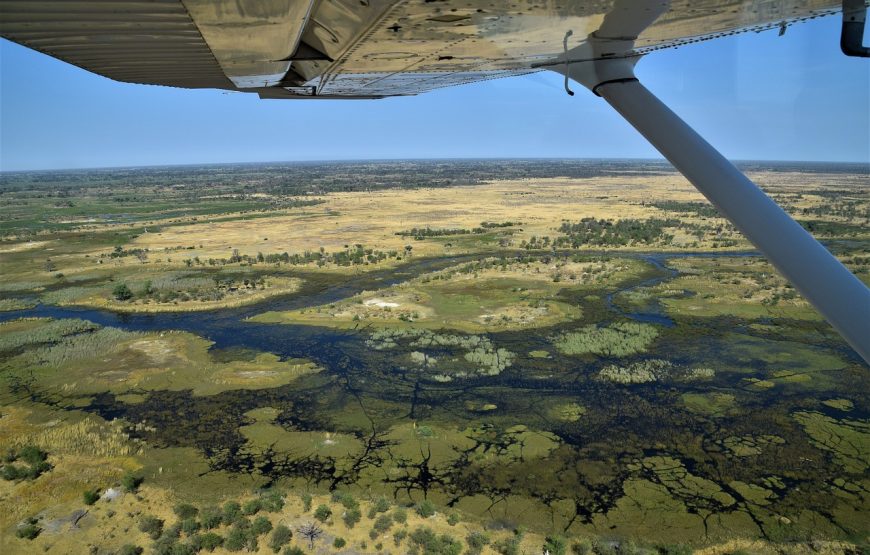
(383, 523)
(185, 511)
(251, 507)
(381, 505)
(400, 515)
(582, 546)
(190, 526)
(35, 464)
(429, 542)
(210, 541)
(90, 496)
(211, 517)
(232, 512)
(346, 499)
(556, 545)
(29, 529)
(281, 535)
(241, 537)
(272, 501)
(425, 508)
(351, 517)
(261, 525)
(322, 513)
(151, 525)
(476, 542)
(131, 482)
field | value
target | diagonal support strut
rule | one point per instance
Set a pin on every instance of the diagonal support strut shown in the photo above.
(829, 286)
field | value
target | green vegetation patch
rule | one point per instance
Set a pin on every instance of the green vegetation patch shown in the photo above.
(474, 355)
(748, 445)
(711, 404)
(652, 370)
(744, 287)
(752, 493)
(264, 437)
(848, 440)
(839, 404)
(614, 233)
(8, 305)
(567, 412)
(649, 510)
(470, 305)
(789, 363)
(672, 474)
(25, 463)
(37, 331)
(617, 340)
(82, 357)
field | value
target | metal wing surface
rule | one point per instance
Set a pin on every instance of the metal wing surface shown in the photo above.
(357, 48)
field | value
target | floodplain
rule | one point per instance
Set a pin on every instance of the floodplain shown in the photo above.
(424, 357)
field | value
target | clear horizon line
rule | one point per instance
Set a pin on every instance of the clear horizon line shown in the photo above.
(412, 159)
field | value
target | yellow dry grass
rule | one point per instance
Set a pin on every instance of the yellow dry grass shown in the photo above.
(82, 452)
(374, 218)
(761, 547)
(26, 246)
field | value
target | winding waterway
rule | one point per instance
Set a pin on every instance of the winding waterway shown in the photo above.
(229, 327)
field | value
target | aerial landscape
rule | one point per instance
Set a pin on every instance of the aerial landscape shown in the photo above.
(443, 356)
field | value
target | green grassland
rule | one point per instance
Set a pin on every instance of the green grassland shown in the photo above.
(490, 295)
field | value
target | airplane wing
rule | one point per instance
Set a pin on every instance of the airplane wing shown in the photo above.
(354, 48)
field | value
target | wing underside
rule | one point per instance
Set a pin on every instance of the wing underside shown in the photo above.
(354, 48)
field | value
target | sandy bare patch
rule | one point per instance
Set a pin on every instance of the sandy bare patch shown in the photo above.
(380, 303)
(18, 247)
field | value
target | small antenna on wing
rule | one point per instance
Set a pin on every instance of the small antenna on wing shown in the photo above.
(565, 46)
(782, 27)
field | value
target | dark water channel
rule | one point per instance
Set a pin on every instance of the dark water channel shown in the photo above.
(229, 328)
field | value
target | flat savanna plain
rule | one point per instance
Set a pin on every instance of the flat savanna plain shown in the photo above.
(474, 355)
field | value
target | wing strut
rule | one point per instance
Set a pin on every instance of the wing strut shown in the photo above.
(837, 294)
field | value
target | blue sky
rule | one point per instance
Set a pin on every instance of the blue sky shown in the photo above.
(754, 96)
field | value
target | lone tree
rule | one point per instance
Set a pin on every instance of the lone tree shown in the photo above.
(310, 532)
(122, 293)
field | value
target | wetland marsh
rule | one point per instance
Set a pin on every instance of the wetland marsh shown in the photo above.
(597, 359)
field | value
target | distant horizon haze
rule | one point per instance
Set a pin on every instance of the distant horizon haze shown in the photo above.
(424, 160)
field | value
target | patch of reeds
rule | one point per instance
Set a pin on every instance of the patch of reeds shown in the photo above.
(86, 437)
(617, 340)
